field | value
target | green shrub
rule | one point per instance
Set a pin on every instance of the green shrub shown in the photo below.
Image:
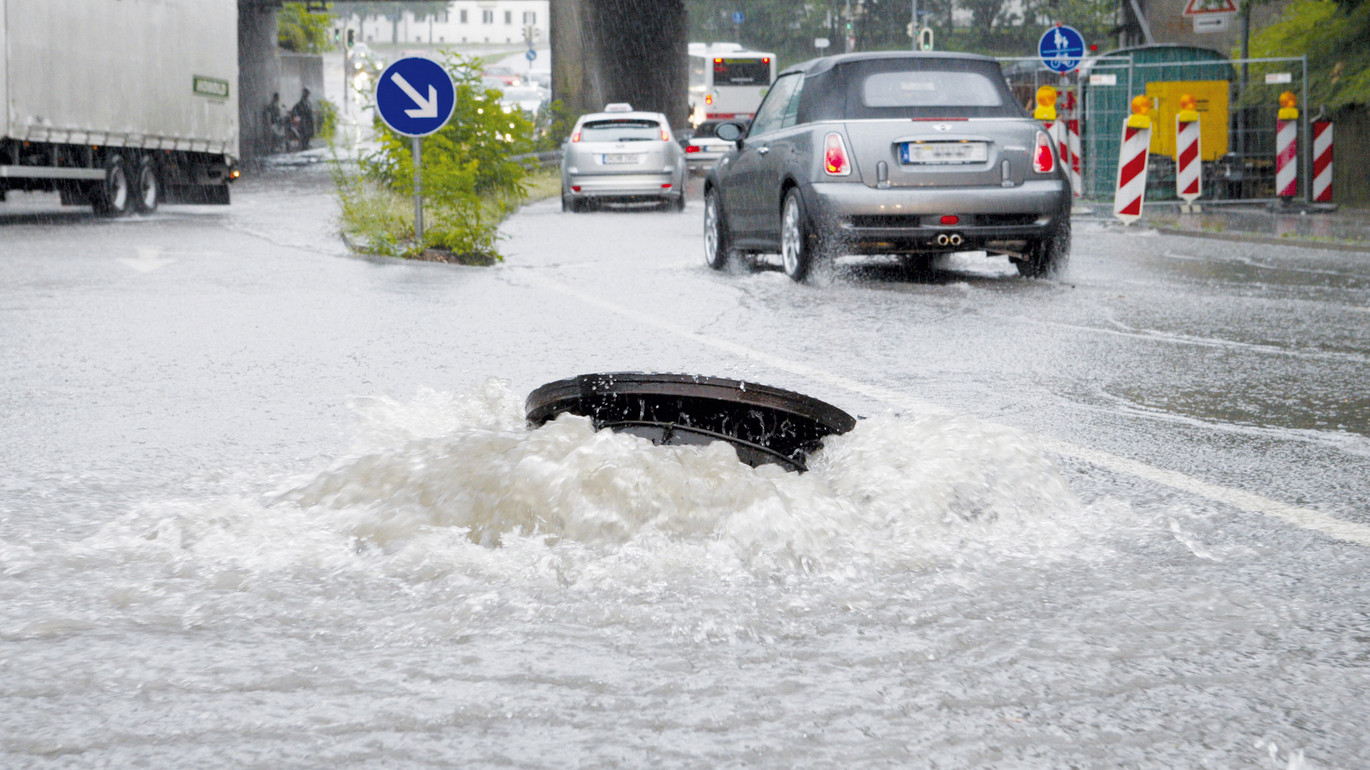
(469, 176)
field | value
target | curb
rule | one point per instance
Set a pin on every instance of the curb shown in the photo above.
(1305, 243)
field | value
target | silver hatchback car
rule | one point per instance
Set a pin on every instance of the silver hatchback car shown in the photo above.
(621, 155)
(912, 154)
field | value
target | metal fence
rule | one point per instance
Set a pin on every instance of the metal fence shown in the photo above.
(1240, 95)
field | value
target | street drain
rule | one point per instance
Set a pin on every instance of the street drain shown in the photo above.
(764, 424)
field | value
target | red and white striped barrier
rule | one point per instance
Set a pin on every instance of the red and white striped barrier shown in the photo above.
(1132, 158)
(1073, 147)
(1070, 147)
(1187, 163)
(1287, 147)
(1322, 161)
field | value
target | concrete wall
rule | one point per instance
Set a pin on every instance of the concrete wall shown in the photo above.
(258, 75)
(631, 51)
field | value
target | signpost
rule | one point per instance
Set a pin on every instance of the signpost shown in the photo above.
(1061, 48)
(415, 97)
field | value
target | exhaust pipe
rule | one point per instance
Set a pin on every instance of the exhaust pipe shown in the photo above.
(943, 240)
(955, 239)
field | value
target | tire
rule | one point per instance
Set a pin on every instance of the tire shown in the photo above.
(114, 196)
(801, 249)
(678, 204)
(1047, 256)
(147, 187)
(718, 241)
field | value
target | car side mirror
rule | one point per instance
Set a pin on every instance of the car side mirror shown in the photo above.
(729, 132)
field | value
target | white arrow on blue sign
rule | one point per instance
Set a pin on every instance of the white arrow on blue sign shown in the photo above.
(415, 96)
(1061, 48)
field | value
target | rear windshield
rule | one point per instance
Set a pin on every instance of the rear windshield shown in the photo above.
(742, 72)
(908, 88)
(929, 89)
(621, 130)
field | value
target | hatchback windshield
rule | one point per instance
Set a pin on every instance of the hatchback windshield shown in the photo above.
(622, 130)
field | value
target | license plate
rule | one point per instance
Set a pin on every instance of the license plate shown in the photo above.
(620, 158)
(943, 152)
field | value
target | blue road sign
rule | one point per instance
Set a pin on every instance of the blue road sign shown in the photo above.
(1061, 48)
(415, 96)
(531, 55)
(739, 17)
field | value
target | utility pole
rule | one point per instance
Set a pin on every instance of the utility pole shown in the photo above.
(914, 26)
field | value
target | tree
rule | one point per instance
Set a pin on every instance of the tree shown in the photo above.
(1333, 35)
(300, 31)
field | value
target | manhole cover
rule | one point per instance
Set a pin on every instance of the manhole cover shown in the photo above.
(764, 424)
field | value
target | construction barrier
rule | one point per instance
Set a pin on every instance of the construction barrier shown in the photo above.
(1287, 147)
(1073, 146)
(1322, 161)
(1132, 158)
(1188, 167)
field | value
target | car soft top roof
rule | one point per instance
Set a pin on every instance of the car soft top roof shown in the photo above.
(825, 63)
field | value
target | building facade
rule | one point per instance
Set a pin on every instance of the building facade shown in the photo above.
(468, 22)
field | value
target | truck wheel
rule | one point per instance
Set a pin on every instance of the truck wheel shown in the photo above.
(147, 187)
(114, 195)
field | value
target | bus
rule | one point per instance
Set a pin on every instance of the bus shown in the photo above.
(727, 81)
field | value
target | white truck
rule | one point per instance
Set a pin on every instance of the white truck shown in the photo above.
(120, 104)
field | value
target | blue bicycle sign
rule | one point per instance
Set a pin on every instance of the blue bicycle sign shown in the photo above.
(1061, 48)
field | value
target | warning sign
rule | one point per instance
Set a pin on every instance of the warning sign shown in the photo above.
(1199, 7)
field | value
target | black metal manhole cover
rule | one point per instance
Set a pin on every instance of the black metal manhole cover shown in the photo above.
(764, 424)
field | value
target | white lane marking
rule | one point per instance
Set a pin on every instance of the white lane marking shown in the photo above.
(148, 259)
(1306, 518)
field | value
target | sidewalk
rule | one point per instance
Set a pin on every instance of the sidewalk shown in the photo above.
(1318, 225)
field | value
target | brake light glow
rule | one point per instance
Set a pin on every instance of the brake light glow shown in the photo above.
(949, 219)
(689, 148)
(575, 137)
(1043, 159)
(835, 160)
(665, 135)
(709, 99)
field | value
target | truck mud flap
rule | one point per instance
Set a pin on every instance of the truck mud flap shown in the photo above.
(764, 424)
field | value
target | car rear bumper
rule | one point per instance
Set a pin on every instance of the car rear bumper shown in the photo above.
(626, 186)
(898, 219)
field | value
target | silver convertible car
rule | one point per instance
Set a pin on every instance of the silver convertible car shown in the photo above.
(912, 154)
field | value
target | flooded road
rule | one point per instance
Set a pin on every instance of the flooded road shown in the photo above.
(266, 504)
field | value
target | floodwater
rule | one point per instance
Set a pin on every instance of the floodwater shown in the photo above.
(458, 590)
(196, 571)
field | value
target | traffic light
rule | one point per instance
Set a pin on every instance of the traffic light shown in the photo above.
(925, 39)
(336, 33)
(350, 33)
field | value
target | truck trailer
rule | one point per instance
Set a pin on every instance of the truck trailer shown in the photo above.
(119, 104)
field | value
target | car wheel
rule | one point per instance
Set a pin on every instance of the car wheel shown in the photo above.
(114, 195)
(717, 240)
(147, 187)
(1046, 256)
(679, 202)
(800, 248)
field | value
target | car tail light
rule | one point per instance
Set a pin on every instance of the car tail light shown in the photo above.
(666, 186)
(835, 160)
(689, 148)
(949, 219)
(709, 99)
(665, 135)
(575, 188)
(575, 137)
(1043, 159)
